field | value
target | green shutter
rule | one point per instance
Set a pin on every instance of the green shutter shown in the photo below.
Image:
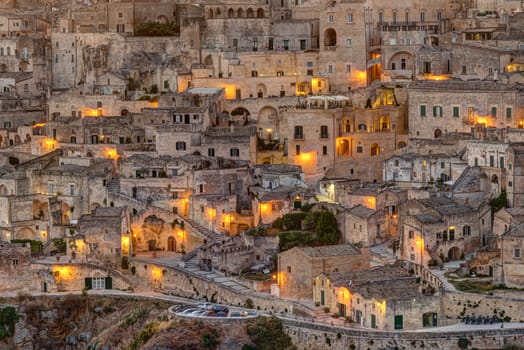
(493, 112)
(422, 111)
(455, 112)
(508, 112)
(88, 283)
(399, 322)
(109, 283)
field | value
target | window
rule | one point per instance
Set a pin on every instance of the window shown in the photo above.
(98, 283)
(493, 112)
(15, 262)
(254, 73)
(299, 132)
(289, 269)
(427, 67)
(51, 188)
(452, 233)
(508, 112)
(234, 152)
(394, 18)
(476, 161)
(510, 184)
(180, 146)
(120, 15)
(359, 149)
(330, 68)
(210, 152)
(324, 150)
(120, 28)
(437, 111)
(201, 190)
(516, 253)
(323, 132)
(380, 17)
(411, 234)
(348, 67)
(303, 44)
(464, 70)
(235, 42)
(286, 44)
(26, 87)
(349, 42)
(297, 150)
(492, 161)
(350, 18)
(466, 231)
(423, 110)
(331, 19)
(501, 165)
(71, 189)
(422, 16)
(442, 165)
(456, 111)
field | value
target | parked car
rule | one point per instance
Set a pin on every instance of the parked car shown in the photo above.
(198, 313)
(189, 311)
(221, 314)
(205, 305)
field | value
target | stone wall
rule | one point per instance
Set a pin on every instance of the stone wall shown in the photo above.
(173, 280)
(458, 304)
(306, 335)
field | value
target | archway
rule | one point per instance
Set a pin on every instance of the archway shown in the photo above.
(94, 139)
(260, 13)
(267, 121)
(375, 149)
(240, 13)
(383, 123)
(330, 37)
(454, 254)
(437, 133)
(124, 112)
(211, 13)
(343, 148)
(93, 206)
(3, 190)
(402, 60)
(162, 19)
(40, 210)
(261, 90)
(401, 144)
(240, 111)
(208, 61)
(218, 12)
(17, 139)
(26, 233)
(171, 244)
(250, 13)
(231, 13)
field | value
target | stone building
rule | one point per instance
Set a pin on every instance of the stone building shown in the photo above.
(103, 236)
(298, 267)
(362, 226)
(15, 262)
(441, 229)
(514, 175)
(385, 298)
(440, 107)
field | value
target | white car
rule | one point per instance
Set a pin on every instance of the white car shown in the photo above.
(189, 311)
(204, 305)
(198, 313)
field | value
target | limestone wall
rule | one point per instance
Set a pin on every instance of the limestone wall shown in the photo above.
(174, 280)
(458, 304)
(306, 335)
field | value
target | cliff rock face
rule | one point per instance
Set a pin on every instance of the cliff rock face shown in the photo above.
(23, 338)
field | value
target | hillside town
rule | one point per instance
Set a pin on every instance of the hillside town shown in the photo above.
(354, 164)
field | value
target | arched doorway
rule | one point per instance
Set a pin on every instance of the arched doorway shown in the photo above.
(454, 254)
(343, 148)
(208, 62)
(330, 37)
(171, 244)
(240, 111)
(231, 13)
(260, 13)
(250, 13)
(3, 190)
(261, 91)
(384, 123)
(437, 133)
(375, 149)
(240, 13)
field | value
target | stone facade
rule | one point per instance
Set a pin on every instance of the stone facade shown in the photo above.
(298, 267)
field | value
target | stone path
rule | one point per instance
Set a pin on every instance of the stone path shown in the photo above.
(191, 266)
(440, 274)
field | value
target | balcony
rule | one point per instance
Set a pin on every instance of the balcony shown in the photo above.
(432, 27)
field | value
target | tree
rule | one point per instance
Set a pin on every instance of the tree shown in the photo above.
(327, 228)
(267, 333)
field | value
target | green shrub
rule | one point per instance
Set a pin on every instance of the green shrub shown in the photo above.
(157, 29)
(8, 319)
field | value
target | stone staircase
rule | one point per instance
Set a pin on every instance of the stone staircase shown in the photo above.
(113, 186)
(381, 254)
